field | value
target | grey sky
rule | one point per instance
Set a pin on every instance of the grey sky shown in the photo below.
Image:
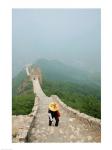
(69, 35)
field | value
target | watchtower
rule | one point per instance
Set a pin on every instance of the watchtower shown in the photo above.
(36, 73)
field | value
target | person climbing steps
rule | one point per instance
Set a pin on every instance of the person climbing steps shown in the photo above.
(53, 112)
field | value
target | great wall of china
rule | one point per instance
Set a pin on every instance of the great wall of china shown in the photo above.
(73, 127)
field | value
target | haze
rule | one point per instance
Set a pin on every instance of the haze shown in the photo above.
(71, 36)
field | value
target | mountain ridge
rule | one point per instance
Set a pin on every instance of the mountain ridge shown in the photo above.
(84, 95)
(56, 70)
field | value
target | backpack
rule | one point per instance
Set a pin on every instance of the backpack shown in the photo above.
(58, 114)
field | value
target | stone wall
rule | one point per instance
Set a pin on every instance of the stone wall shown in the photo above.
(21, 124)
(91, 121)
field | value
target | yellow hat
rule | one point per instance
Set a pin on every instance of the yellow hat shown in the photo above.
(53, 106)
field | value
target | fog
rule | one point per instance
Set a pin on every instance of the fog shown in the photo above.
(71, 36)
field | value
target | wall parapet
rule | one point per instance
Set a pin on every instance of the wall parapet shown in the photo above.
(21, 124)
(93, 122)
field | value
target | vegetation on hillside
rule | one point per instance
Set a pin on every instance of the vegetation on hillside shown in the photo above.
(17, 81)
(76, 88)
(22, 104)
(84, 98)
(54, 70)
(22, 98)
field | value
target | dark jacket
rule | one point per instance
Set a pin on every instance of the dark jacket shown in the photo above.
(54, 114)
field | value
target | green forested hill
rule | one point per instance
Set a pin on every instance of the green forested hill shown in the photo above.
(22, 104)
(84, 98)
(77, 88)
(57, 71)
(22, 94)
(17, 80)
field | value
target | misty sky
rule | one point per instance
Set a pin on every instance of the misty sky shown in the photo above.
(69, 35)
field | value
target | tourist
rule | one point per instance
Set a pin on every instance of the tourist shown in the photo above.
(53, 112)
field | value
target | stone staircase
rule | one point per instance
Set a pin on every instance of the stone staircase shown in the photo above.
(72, 127)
